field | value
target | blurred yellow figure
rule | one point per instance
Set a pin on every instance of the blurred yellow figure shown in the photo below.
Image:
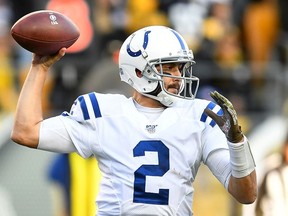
(7, 86)
(144, 13)
(75, 185)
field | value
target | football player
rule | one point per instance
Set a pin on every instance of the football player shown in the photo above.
(149, 147)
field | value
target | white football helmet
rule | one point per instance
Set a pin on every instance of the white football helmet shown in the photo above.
(154, 46)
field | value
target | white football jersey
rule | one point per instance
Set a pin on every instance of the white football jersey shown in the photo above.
(148, 166)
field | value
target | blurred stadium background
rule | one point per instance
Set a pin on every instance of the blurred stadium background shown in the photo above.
(240, 47)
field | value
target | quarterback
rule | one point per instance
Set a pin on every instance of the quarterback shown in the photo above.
(149, 147)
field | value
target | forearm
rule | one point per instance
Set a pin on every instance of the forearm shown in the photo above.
(244, 189)
(242, 184)
(29, 110)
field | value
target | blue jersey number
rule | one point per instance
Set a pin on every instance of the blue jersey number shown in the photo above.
(140, 196)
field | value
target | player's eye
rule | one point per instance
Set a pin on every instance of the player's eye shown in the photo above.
(181, 66)
(166, 73)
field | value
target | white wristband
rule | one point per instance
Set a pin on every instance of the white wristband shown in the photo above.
(241, 159)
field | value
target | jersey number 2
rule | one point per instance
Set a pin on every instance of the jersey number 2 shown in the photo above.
(140, 196)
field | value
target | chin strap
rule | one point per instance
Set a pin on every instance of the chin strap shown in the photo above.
(165, 99)
(161, 96)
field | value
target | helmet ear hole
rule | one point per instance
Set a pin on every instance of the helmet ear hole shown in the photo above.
(138, 73)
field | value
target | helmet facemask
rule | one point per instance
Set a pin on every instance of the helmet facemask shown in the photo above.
(154, 73)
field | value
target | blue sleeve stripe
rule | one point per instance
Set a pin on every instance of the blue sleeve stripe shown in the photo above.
(95, 105)
(204, 116)
(213, 123)
(211, 105)
(220, 112)
(84, 108)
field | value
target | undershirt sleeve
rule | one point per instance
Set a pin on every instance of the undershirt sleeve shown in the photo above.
(218, 162)
(216, 154)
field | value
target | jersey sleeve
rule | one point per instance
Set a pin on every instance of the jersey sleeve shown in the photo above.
(80, 122)
(215, 147)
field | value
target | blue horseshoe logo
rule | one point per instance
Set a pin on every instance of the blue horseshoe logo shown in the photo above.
(138, 53)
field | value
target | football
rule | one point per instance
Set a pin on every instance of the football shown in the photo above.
(45, 32)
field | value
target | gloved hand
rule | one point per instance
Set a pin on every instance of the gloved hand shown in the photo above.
(227, 122)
